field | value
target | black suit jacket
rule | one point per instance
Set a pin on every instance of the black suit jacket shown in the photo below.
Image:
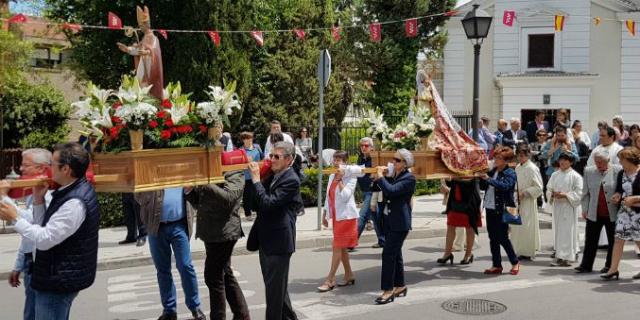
(274, 230)
(532, 128)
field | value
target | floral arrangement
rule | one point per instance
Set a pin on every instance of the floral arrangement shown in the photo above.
(116, 117)
(407, 134)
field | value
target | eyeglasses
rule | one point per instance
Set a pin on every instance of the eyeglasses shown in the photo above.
(276, 156)
(397, 160)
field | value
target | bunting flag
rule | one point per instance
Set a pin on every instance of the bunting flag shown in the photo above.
(376, 32)
(215, 37)
(335, 32)
(163, 33)
(558, 23)
(18, 18)
(114, 22)
(597, 21)
(631, 26)
(451, 13)
(411, 28)
(300, 33)
(258, 36)
(71, 27)
(508, 17)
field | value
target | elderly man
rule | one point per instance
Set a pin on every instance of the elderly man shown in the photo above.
(504, 137)
(35, 162)
(599, 185)
(518, 134)
(607, 144)
(273, 233)
(369, 208)
(65, 234)
(276, 127)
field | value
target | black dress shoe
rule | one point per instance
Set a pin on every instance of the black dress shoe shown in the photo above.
(381, 300)
(168, 316)
(524, 258)
(141, 242)
(199, 315)
(604, 270)
(580, 269)
(126, 241)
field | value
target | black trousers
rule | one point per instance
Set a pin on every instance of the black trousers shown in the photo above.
(248, 198)
(392, 262)
(499, 237)
(223, 286)
(275, 273)
(591, 239)
(135, 227)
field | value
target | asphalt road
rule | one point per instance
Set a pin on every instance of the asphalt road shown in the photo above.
(539, 292)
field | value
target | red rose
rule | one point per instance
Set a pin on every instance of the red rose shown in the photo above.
(166, 103)
(114, 132)
(116, 120)
(161, 114)
(116, 105)
(203, 129)
(184, 129)
(173, 129)
(153, 124)
(168, 123)
(165, 134)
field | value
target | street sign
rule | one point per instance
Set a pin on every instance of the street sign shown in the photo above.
(324, 68)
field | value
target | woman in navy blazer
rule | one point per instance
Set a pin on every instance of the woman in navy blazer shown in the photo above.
(397, 191)
(499, 186)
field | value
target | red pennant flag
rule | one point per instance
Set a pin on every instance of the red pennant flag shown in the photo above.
(300, 33)
(215, 37)
(163, 33)
(508, 18)
(114, 21)
(631, 26)
(411, 28)
(18, 18)
(71, 26)
(376, 32)
(258, 36)
(558, 23)
(335, 33)
(451, 13)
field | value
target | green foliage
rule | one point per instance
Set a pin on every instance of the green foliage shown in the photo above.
(33, 111)
(309, 187)
(111, 211)
(45, 139)
(14, 55)
(425, 187)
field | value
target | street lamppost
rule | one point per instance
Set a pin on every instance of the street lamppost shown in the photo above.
(476, 24)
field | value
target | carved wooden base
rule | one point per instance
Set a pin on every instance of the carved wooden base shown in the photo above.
(428, 164)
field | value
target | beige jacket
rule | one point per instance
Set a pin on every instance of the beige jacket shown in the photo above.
(151, 211)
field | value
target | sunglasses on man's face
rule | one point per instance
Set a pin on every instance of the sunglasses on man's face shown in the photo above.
(276, 156)
(397, 160)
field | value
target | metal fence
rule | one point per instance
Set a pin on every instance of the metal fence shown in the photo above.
(9, 159)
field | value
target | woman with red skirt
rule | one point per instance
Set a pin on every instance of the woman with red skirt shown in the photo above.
(340, 206)
(463, 211)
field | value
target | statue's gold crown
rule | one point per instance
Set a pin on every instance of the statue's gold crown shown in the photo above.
(142, 15)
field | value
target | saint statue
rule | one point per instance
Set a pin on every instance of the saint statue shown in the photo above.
(146, 54)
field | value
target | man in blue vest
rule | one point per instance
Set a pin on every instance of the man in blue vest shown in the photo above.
(65, 234)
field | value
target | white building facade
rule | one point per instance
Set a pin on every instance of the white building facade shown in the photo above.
(591, 70)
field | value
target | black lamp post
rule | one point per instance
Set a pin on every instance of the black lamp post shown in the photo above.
(476, 24)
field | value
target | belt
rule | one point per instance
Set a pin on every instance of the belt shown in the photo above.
(166, 223)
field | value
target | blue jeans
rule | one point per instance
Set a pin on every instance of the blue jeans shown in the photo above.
(53, 306)
(499, 237)
(29, 312)
(174, 235)
(366, 214)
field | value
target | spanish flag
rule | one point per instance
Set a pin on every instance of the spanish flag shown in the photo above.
(631, 26)
(558, 23)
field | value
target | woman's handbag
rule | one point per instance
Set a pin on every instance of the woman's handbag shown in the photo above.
(511, 215)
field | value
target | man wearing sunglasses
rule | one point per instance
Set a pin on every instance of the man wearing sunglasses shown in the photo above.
(369, 208)
(273, 233)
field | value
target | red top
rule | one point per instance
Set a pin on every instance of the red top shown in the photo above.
(603, 210)
(345, 232)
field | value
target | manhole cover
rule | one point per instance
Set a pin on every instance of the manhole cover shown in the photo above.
(474, 306)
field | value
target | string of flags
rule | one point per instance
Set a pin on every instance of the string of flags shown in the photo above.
(509, 17)
(114, 22)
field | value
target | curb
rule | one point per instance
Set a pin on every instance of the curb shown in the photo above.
(319, 242)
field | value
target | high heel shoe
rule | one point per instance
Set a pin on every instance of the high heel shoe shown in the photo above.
(347, 283)
(467, 260)
(382, 300)
(444, 260)
(610, 276)
(493, 270)
(401, 293)
(326, 287)
(515, 269)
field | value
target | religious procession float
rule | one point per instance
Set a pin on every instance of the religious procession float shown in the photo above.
(145, 136)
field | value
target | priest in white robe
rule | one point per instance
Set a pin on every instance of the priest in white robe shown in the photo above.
(526, 237)
(564, 191)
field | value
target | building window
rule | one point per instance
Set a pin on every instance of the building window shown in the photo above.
(47, 58)
(541, 51)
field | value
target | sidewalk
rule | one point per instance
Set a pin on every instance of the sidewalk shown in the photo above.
(427, 223)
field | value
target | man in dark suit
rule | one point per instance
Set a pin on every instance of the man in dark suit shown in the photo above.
(537, 124)
(504, 137)
(518, 134)
(274, 230)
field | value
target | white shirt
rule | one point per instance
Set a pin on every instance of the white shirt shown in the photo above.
(268, 145)
(490, 195)
(611, 149)
(62, 224)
